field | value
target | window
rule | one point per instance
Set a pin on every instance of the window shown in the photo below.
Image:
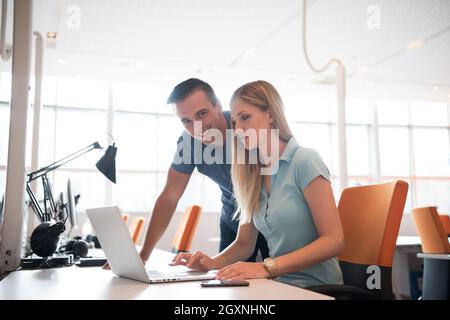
(431, 152)
(134, 97)
(412, 136)
(358, 151)
(394, 152)
(82, 93)
(135, 135)
(315, 136)
(47, 137)
(89, 184)
(416, 150)
(4, 133)
(308, 109)
(195, 194)
(434, 192)
(5, 86)
(357, 112)
(135, 192)
(429, 114)
(77, 129)
(169, 130)
(392, 112)
(2, 183)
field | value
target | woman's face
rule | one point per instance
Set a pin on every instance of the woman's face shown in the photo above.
(251, 125)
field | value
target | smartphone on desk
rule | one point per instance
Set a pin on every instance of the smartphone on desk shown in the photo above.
(225, 283)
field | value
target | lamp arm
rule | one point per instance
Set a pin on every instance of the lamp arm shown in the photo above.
(35, 204)
(305, 51)
(39, 173)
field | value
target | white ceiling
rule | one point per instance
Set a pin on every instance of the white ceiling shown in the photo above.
(170, 40)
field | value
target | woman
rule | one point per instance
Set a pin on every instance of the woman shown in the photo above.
(285, 194)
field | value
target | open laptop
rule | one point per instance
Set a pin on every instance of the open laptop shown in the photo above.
(121, 252)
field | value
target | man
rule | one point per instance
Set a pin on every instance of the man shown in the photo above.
(198, 108)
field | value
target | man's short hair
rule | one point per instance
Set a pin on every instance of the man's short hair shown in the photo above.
(188, 87)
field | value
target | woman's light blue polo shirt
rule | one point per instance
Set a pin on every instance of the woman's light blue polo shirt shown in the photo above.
(285, 219)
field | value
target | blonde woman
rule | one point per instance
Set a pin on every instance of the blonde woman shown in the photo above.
(292, 205)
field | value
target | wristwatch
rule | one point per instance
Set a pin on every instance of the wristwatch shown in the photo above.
(271, 266)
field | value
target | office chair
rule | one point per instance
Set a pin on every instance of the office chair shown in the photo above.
(371, 217)
(186, 229)
(436, 271)
(125, 217)
(136, 226)
(445, 221)
(430, 230)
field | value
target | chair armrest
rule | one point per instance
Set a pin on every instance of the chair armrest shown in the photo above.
(343, 292)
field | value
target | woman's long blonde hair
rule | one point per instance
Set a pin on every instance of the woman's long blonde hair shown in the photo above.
(247, 179)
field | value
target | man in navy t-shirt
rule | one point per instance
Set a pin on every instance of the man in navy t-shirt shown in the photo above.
(203, 146)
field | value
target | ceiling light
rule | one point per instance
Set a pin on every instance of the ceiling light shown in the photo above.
(249, 52)
(51, 35)
(362, 70)
(415, 44)
(77, 76)
(62, 61)
(140, 64)
(435, 88)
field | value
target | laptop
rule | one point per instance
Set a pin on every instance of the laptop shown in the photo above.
(121, 252)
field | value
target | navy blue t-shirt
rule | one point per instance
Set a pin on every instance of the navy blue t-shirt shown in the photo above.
(212, 161)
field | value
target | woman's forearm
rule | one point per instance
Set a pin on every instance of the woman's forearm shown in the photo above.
(235, 252)
(322, 249)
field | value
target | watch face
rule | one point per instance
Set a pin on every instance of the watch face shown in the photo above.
(269, 262)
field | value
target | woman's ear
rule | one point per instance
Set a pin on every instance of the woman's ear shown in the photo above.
(271, 118)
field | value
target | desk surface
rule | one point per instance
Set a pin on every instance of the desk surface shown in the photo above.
(96, 283)
(408, 241)
(440, 256)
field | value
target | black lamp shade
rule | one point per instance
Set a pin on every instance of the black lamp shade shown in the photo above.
(107, 163)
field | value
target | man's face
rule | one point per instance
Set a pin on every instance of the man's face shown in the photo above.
(197, 107)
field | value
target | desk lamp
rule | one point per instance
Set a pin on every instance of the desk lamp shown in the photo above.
(45, 237)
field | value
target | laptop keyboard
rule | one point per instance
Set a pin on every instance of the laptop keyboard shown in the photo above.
(162, 275)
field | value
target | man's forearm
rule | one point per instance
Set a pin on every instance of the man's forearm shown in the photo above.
(161, 216)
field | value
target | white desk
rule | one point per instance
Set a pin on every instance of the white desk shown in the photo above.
(439, 256)
(408, 241)
(96, 283)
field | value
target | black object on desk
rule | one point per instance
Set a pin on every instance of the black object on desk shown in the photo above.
(91, 262)
(55, 261)
(225, 283)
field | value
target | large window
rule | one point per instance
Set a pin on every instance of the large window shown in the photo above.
(386, 140)
(414, 146)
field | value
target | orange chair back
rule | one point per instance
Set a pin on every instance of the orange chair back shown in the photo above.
(430, 230)
(186, 229)
(445, 221)
(136, 228)
(371, 217)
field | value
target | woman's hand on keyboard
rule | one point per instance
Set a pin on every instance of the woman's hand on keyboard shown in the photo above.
(196, 261)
